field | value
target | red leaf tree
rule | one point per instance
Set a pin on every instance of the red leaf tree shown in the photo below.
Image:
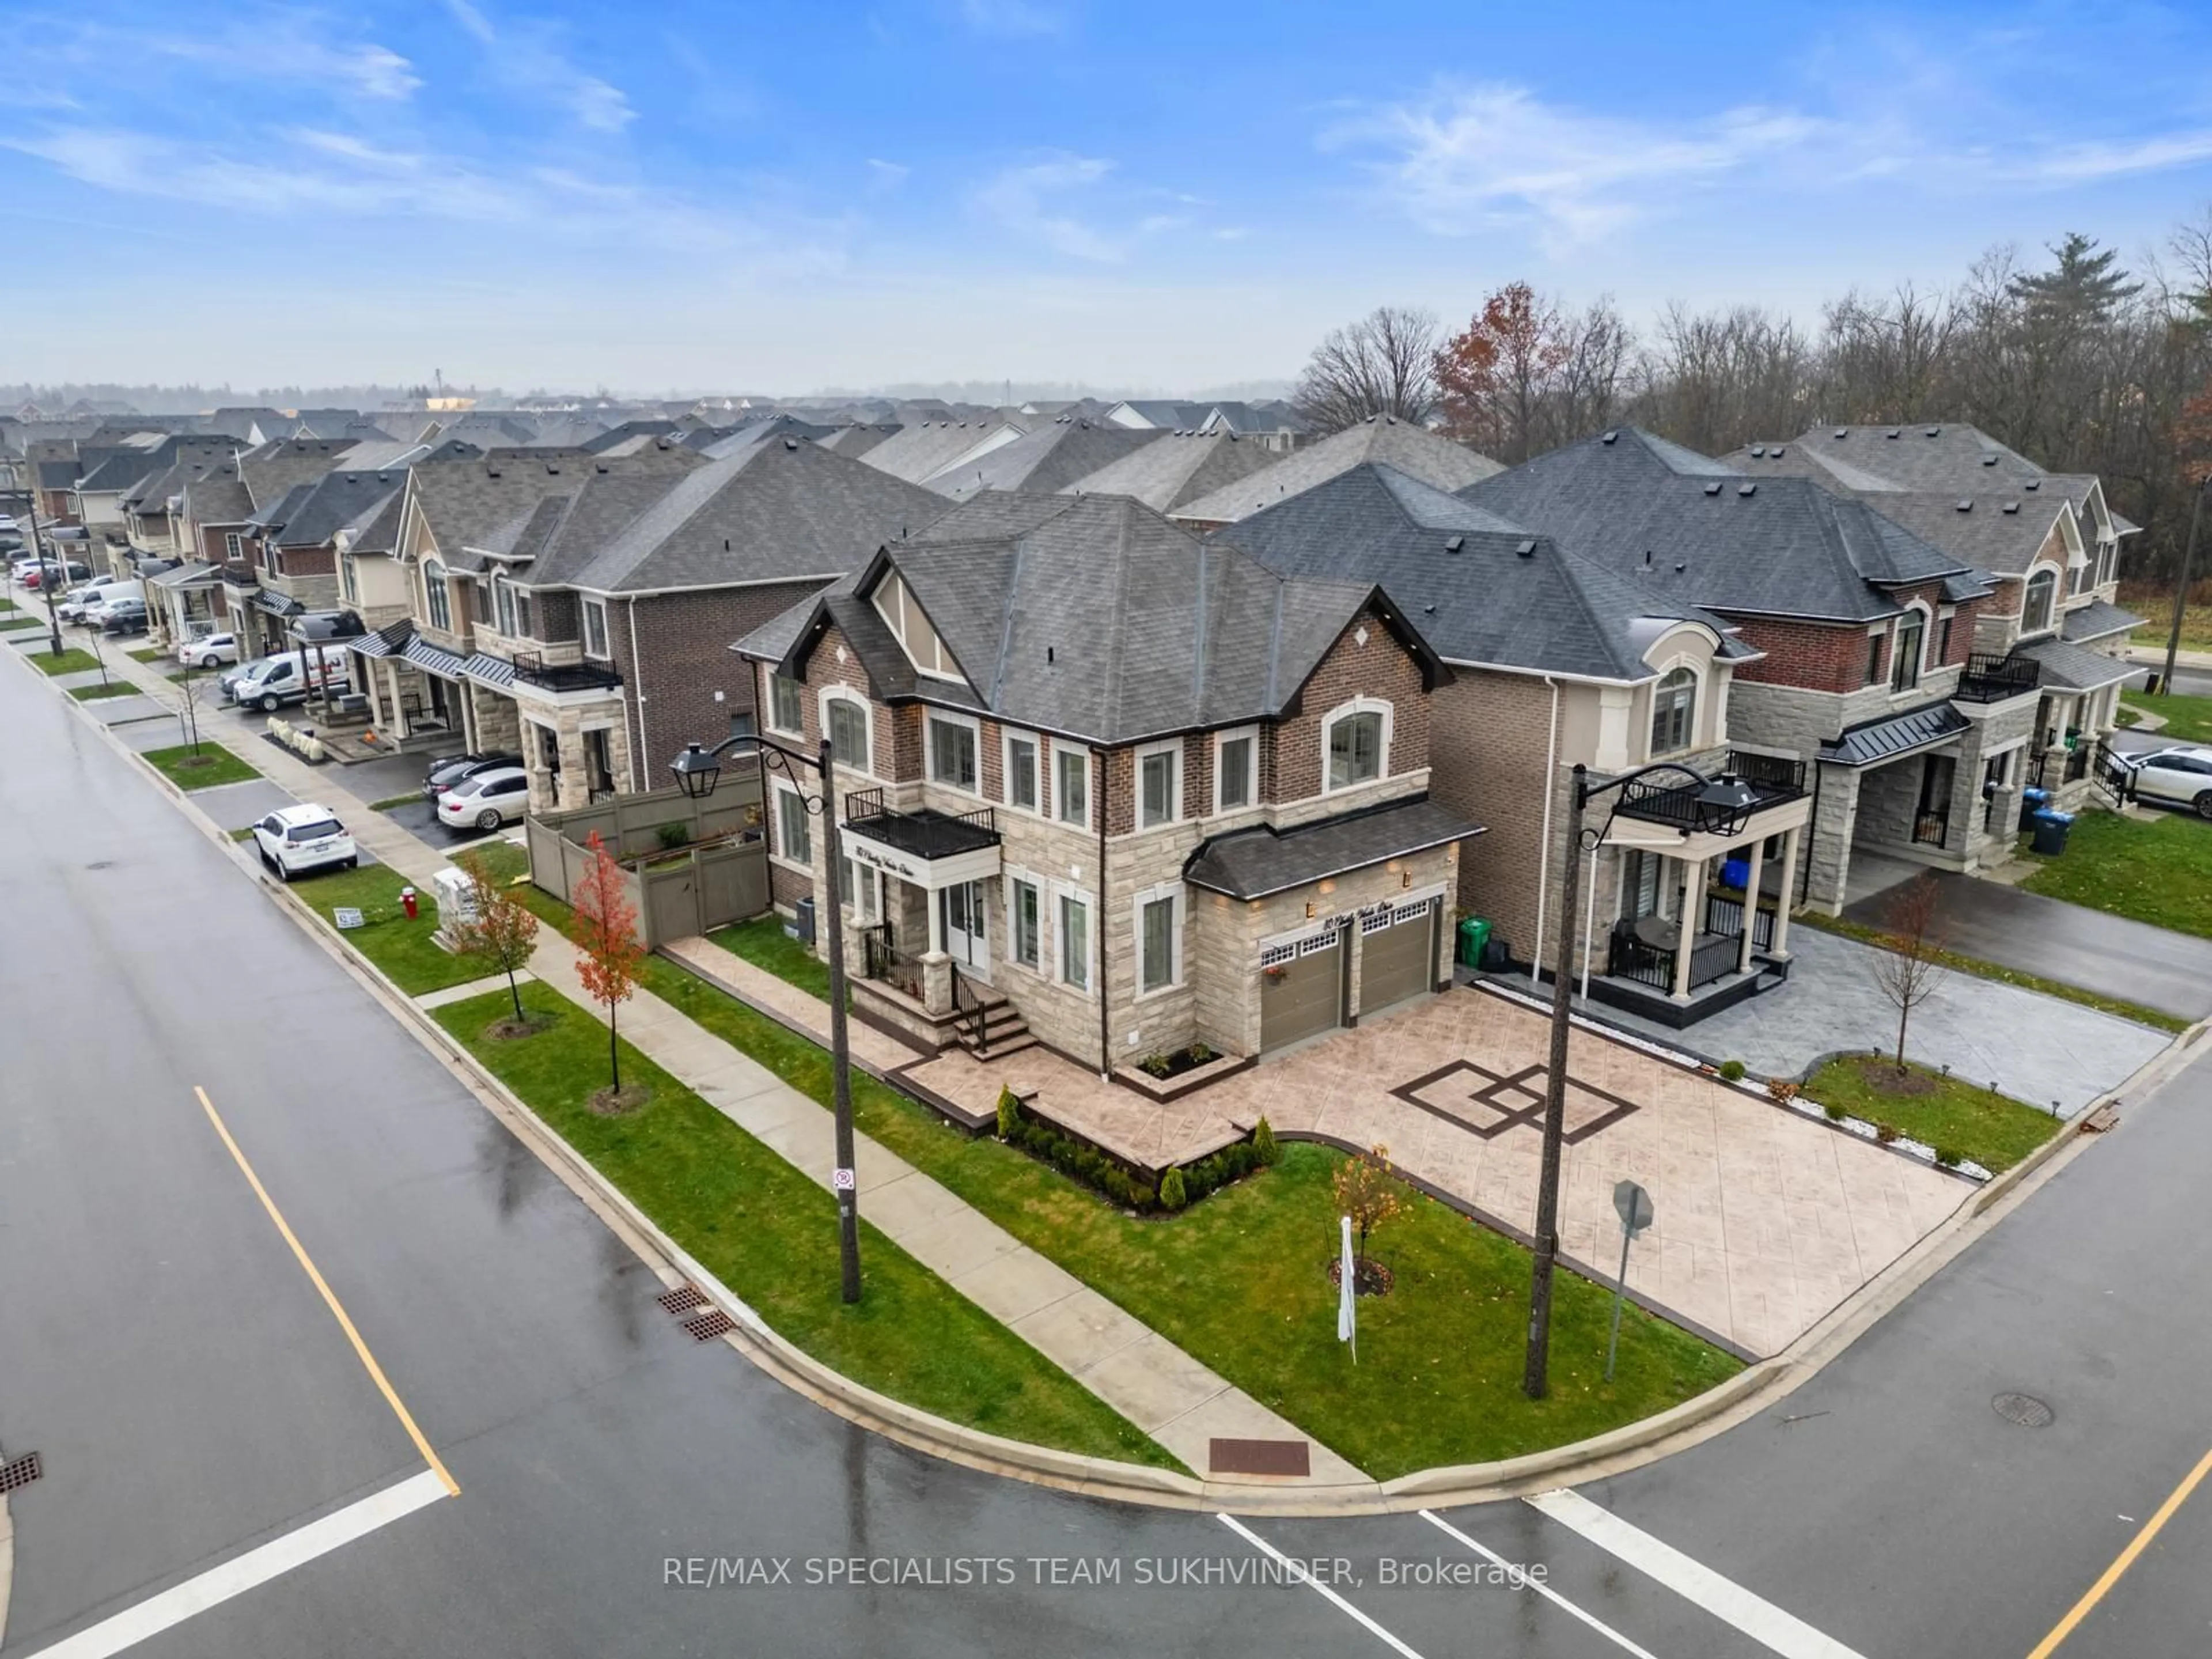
(603, 926)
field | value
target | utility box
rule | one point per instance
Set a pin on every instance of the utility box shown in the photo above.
(455, 897)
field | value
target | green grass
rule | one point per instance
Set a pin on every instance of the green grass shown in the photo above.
(409, 957)
(390, 801)
(770, 1233)
(148, 653)
(110, 688)
(10, 625)
(246, 833)
(2188, 720)
(214, 764)
(1950, 1113)
(1960, 962)
(1239, 1281)
(764, 943)
(71, 661)
(2156, 869)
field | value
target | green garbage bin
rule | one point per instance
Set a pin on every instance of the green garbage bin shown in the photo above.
(1474, 934)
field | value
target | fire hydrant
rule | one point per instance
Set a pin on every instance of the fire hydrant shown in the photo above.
(407, 901)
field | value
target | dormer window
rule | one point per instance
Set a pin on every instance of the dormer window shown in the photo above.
(1674, 712)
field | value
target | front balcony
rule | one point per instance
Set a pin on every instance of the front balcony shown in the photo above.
(1991, 676)
(532, 668)
(1673, 801)
(932, 850)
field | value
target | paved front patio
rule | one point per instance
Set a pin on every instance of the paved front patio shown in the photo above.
(1766, 1218)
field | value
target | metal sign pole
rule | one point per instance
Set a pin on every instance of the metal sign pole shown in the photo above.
(1634, 1205)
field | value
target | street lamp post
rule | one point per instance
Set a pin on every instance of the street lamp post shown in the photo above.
(697, 769)
(45, 585)
(1720, 806)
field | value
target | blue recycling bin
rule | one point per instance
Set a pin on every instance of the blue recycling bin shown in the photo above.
(2050, 830)
(2031, 801)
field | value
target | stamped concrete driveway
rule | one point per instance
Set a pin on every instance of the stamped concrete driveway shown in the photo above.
(2159, 969)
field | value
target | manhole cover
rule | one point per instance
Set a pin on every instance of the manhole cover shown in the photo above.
(2024, 1409)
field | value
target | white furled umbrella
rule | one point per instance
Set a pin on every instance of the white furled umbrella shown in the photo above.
(1347, 1318)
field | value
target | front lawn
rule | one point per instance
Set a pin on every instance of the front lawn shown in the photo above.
(9, 624)
(2155, 869)
(2188, 720)
(148, 653)
(211, 765)
(764, 943)
(770, 1234)
(1240, 1281)
(71, 661)
(1946, 1113)
(409, 957)
(107, 689)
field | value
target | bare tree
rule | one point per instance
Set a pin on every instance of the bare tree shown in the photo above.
(1908, 968)
(1383, 364)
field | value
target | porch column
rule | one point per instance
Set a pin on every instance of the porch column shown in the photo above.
(1693, 879)
(935, 912)
(398, 709)
(372, 680)
(1751, 906)
(1789, 850)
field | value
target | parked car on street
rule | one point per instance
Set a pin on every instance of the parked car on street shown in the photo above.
(209, 651)
(293, 839)
(2178, 776)
(459, 769)
(486, 800)
(76, 606)
(35, 577)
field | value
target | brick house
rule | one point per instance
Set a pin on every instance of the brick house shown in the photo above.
(1104, 785)
(2047, 541)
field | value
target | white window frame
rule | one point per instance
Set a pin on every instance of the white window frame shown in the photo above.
(1173, 747)
(1358, 706)
(1172, 892)
(797, 727)
(1015, 880)
(975, 728)
(777, 848)
(437, 597)
(234, 545)
(855, 879)
(1221, 740)
(1897, 640)
(596, 611)
(1697, 702)
(2027, 597)
(1008, 736)
(1065, 893)
(1081, 756)
(349, 577)
(840, 692)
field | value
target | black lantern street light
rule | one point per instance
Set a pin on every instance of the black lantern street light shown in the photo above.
(697, 769)
(1710, 805)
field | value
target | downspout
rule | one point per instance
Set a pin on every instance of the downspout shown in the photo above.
(1544, 841)
(1099, 920)
(637, 749)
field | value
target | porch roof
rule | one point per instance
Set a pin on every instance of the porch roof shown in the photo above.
(2096, 620)
(2069, 668)
(1250, 864)
(433, 658)
(1872, 741)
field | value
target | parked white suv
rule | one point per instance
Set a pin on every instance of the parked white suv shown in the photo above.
(2181, 776)
(293, 839)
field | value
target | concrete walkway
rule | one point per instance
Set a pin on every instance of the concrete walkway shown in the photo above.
(2169, 971)
(1140, 1374)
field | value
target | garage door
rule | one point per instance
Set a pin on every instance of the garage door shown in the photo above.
(1301, 989)
(1398, 959)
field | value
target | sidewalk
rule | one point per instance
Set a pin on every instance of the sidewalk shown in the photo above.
(1162, 1390)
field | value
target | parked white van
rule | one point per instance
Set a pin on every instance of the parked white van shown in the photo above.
(273, 682)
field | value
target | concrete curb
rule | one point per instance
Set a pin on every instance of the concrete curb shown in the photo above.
(1619, 1451)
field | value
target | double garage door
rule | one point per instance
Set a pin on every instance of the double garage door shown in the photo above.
(1302, 984)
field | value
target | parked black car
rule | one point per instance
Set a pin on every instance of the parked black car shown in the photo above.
(459, 769)
(128, 617)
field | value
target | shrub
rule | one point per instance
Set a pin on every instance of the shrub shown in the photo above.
(1948, 1156)
(1200, 1054)
(1263, 1141)
(1732, 1070)
(1781, 1089)
(1885, 1133)
(1157, 1065)
(1835, 1113)
(1172, 1196)
(1009, 1114)
(672, 836)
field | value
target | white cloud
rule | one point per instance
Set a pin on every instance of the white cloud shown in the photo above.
(1024, 199)
(1487, 155)
(524, 55)
(1013, 17)
(886, 175)
(288, 48)
(2088, 162)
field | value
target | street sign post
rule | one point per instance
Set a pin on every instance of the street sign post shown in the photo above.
(1633, 1205)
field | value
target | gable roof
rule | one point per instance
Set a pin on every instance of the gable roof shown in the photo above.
(1049, 458)
(274, 468)
(466, 500)
(1682, 527)
(1412, 450)
(1480, 587)
(925, 447)
(1177, 467)
(332, 502)
(1095, 617)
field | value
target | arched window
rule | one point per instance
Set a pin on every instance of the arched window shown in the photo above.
(437, 604)
(1911, 644)
(1356, 743)
(1674, 712)
(848, 733)
(2035, 614)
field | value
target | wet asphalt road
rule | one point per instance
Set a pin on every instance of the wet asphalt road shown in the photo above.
(193, 1397)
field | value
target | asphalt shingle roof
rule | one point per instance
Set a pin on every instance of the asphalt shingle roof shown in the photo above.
(468, 500)
(1412, 450)
(1176, 468)
(2071, 668)
(334, 502)
(920, 451)
(2096, 621)
(1249, 863)
(1048, 459)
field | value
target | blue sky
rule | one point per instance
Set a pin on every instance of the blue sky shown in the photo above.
(782, 197)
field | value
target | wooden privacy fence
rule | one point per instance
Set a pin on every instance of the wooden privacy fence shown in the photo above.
(716, 876)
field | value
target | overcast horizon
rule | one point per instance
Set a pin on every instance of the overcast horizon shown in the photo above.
(1044, 191)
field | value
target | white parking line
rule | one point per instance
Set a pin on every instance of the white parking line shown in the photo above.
(1727, 1600)
(219, 1584)
(1298, 1572)
(1540, 1587)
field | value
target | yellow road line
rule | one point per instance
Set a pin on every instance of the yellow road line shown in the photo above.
(367, 1360)
(2141, 1543)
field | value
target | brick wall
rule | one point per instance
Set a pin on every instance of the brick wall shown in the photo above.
(307, 561)
(1817, 656)
(1383, 669)
(682, 658)
(1490, 732)
(554, 617)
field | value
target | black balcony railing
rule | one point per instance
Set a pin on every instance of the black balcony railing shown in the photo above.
(1724, 915)
(1666, 800)
(1989, 676)
(1712, 956)
(925, 833)
(533, 669)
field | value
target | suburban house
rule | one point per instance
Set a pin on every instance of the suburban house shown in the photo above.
(2048, 541)
(1177, 467)
(1557, 659)
(1104, 785)
(1412, 450)
(1053, 456)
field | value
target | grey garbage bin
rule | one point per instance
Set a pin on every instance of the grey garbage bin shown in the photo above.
(2050, 830)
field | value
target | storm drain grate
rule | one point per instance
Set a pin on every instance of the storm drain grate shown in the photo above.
(2024, 1409)
(20, 1472)
(706, 1326)
(681, 1300)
